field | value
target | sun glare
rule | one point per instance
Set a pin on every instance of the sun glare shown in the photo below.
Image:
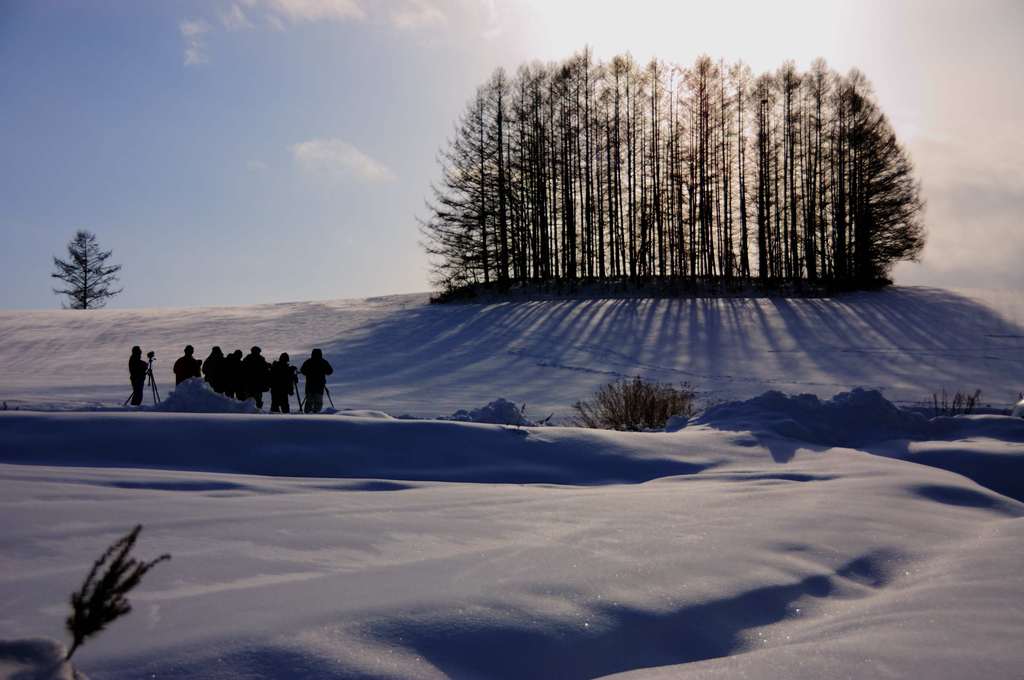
(677, 31)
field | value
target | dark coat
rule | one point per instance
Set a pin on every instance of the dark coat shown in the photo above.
(255, 374)
(213, 371)
(186, 367)
(316, 371)
(137, 369)
(282, 378)
(231, 373)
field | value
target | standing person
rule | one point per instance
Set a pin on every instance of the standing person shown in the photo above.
(213, 370)
(232, 376)
(255, 375)
(316, 369)
(282, 384)
(186, 366)
(137, 370)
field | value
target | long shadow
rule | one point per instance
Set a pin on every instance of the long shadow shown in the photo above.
(1002, 472)
(507, 641)
(550, 353)
(404, 355)
(615, 639)
(966, 498)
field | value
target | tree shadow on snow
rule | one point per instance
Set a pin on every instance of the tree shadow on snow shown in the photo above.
(558, 351)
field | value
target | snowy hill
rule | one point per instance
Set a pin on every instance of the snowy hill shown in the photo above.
(403, 356)
(776, 537)
(415, 549)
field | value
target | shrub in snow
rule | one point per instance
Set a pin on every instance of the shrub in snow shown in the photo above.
(195, 396)
(962, 403)
(103, 598)
(635, 405)
(498, 412)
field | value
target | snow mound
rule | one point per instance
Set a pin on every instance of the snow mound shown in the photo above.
(35, 659)
(498, 412)
(195, 396)
(364, 413)
(848, 419)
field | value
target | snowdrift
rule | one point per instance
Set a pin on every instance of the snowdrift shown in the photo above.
(722, 563)
(864, 419)
(36, 659)
(847, 419)
(195, 396)
(501, 411)
(319, 446)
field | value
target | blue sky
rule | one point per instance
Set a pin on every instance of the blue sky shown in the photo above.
(249, 151)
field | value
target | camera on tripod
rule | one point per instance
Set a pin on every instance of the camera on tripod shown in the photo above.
(136, 397)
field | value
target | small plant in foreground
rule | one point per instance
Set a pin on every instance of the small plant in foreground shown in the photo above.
(635, 405)
(961, 403)
(102, 600)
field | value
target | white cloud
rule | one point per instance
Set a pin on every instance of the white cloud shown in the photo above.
(235, 19)
(339, 159)
(193, 27)
(275, 22)
(297, 11)
(192, 30)
(279, 15)
(416, 14)
(257, 166)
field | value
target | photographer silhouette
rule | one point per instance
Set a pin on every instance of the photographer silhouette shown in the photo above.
(138, 372)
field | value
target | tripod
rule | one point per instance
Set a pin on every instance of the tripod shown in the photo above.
(295, 381)
(152, 385)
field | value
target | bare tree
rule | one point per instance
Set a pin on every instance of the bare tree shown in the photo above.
(582, 169)
(86, 275)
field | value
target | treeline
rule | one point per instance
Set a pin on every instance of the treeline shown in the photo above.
(593, 170)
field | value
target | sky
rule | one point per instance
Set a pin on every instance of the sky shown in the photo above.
(254, 151)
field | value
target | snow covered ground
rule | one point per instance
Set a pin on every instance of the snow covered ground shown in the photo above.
(402, 356)
(772, 538)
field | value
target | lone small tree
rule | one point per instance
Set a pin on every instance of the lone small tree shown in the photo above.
(86, 275)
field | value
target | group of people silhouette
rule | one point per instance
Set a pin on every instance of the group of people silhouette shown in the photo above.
(242, 378)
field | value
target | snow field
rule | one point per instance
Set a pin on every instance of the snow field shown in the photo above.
(432, 549)
(401, 356)
(775, 536)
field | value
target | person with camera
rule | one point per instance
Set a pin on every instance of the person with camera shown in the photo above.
(282, 384)
(186, 366)
(213, 369)
(316, 369)
(255, 375)
(137, 371)
(231, 374)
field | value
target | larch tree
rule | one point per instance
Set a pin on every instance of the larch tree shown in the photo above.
(590, 170)
(88, 279)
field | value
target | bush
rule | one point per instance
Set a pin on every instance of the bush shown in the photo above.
(961, 403)
(635, 405)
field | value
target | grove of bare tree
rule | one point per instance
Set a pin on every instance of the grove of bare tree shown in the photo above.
(586, 170)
